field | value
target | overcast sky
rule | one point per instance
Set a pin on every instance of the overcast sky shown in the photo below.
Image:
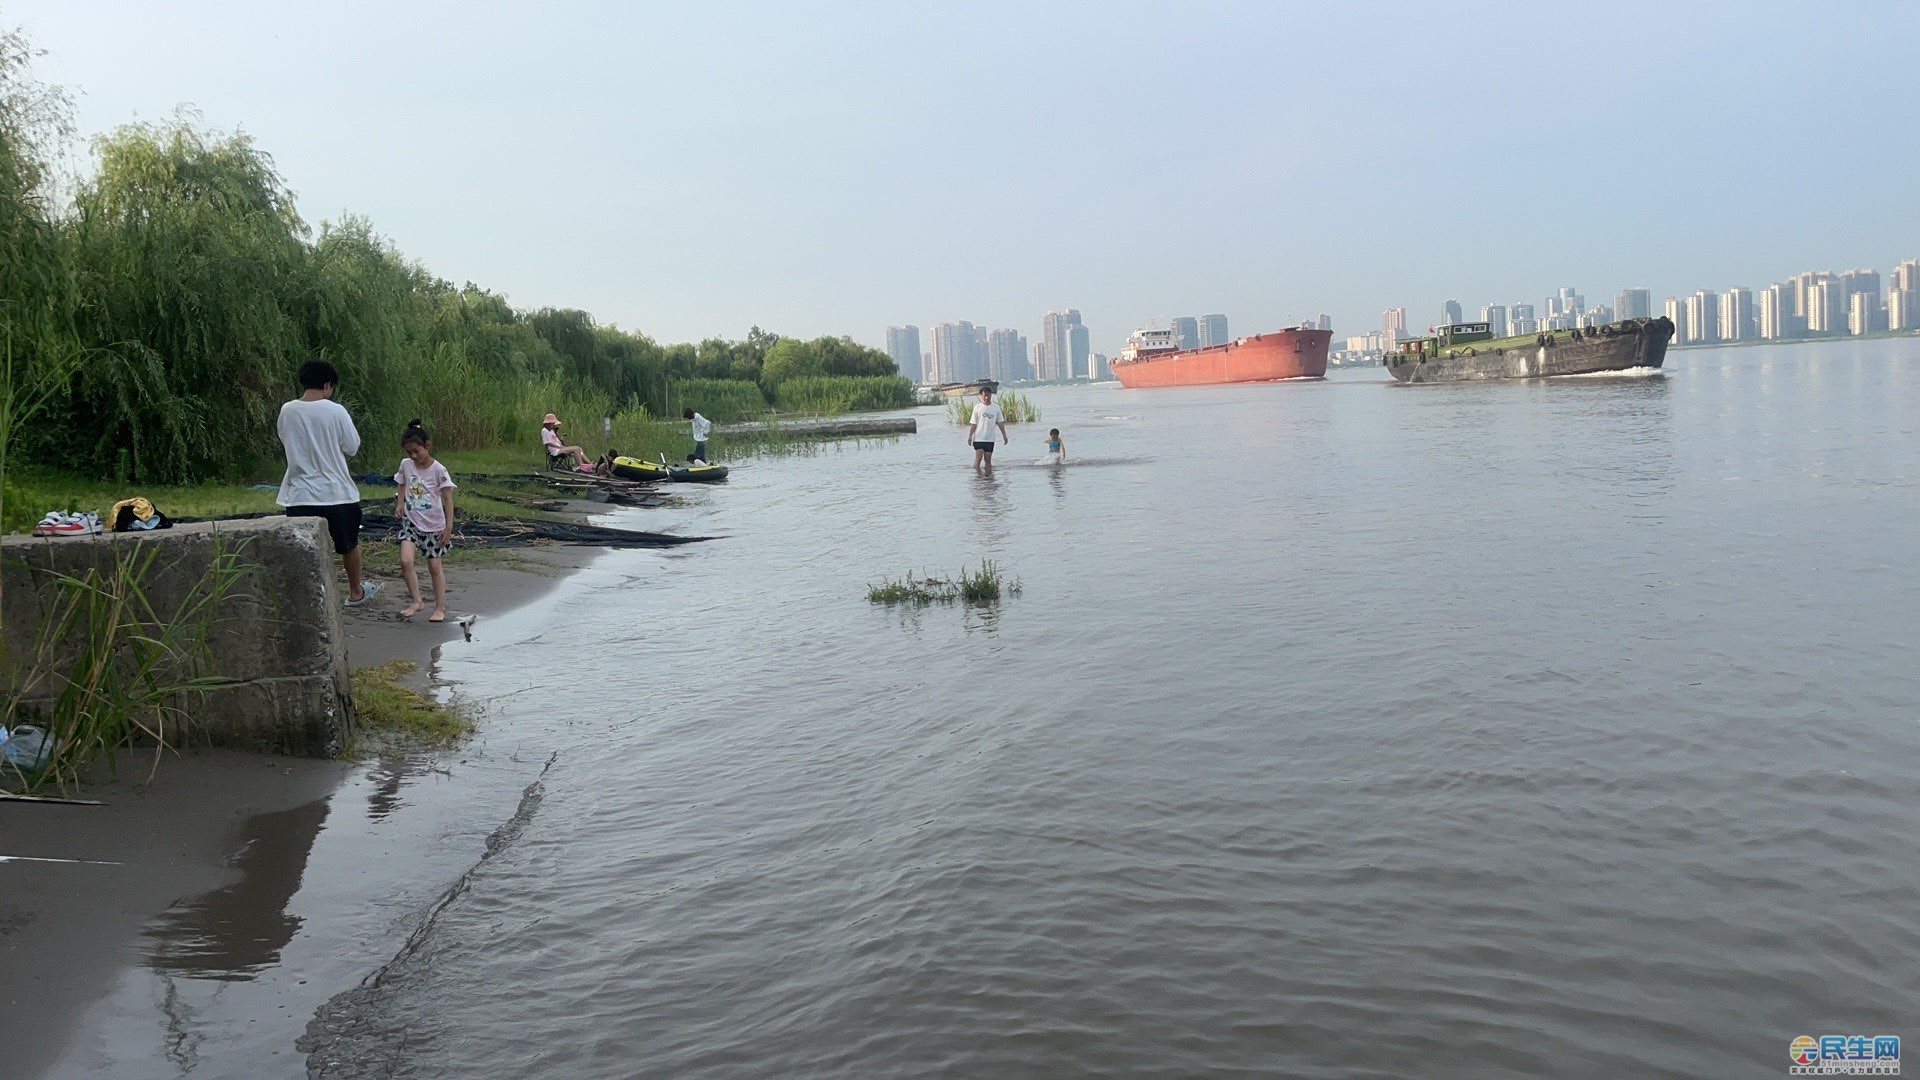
(823, 168)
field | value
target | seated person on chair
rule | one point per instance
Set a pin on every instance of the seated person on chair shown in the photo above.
(550, 437)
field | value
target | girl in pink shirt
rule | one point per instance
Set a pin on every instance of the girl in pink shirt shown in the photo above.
(425, 510)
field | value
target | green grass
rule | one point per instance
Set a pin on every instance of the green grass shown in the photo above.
(982, 586)
(831, 395)
(389, 713)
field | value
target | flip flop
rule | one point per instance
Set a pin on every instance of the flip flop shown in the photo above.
(436, 618)
(367, 592)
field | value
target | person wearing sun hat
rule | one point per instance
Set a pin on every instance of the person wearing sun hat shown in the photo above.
(550, 437)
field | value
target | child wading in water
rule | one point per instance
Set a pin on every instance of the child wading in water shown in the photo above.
(425, 510)
(1056, 448)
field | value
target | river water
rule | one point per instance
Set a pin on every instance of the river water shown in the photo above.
(1338, 729)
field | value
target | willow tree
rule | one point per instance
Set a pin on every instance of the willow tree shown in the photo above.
(192, 261)
(38, 343)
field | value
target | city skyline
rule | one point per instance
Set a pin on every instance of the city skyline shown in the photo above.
(663, 200)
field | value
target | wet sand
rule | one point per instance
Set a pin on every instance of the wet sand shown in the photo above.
(191, 871)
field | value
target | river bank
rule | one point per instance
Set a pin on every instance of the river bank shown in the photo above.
(180, 883)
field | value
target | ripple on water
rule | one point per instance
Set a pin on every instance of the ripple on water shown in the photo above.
(1478, 732)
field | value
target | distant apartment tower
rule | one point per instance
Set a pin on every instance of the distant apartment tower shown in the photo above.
(1598, 315)
(1861, 281)
(1102, 371)
(1677, 315)
(1826, 307)
(1393, 326)
(1736, 314)
(1903, 297)
(1633, 304)
(1080, 349)
(1186, 332)
(1323, 321)
(1571, 302)
(1451, 314)
(959, 353)
(1057, 345)
(1006, 356)
(1804, 285)
(903, 344)
(1863, 310)
(1213, 330)
(1903, 309)
(1777, 320)
(1495, 316)
(1520, 320)
(1703, 316)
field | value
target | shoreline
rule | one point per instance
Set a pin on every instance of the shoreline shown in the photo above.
(195, 868)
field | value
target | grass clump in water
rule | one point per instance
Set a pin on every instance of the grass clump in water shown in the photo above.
(1014, 407)
(391, 712)
(982, 586)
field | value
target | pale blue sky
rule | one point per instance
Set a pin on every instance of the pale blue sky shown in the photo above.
(693, 169)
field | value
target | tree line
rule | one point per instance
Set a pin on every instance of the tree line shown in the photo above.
(154, 309)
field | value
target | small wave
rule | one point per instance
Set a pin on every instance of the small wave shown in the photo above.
(1623, 373)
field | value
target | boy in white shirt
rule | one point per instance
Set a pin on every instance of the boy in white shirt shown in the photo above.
(319, 437)
(986, 417)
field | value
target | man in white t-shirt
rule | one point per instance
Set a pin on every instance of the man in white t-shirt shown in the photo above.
(986, 417)
(319, 437)
(702, 427)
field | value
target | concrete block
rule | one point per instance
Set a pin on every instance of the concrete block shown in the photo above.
(279, 634)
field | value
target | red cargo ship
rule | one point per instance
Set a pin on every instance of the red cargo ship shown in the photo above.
(1153, 358)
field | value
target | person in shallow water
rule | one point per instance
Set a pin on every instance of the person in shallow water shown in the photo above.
(986, 417)
(1056, 448)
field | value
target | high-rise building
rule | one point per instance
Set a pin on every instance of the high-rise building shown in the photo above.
(1906, 276)
(903, 344)
(1450, 313)
(1213, 330)
(1393, 326)
(1633, 304)
(1903, 309)
(1736, 314)
(1186, 332)
(1520, 320)
(1323, 321)
(1102, 371)
(1862, 307)
(959, 353)
(1495, 316)
(1703, 315)
(1777, 320)
(1080, 349)
(1804, 286)
(1056, 344)
(1598, 315)
(1826, 307)
(1006, 356)
(1861, 281)
(1677, 315)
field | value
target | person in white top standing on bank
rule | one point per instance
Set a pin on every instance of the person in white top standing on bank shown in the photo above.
(702, 427)
(986, 417)
(319, 437)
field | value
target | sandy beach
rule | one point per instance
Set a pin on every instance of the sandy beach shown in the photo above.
(190, 867)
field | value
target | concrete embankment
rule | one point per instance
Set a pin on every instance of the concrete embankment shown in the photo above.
(826, 428)
(276, 639)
